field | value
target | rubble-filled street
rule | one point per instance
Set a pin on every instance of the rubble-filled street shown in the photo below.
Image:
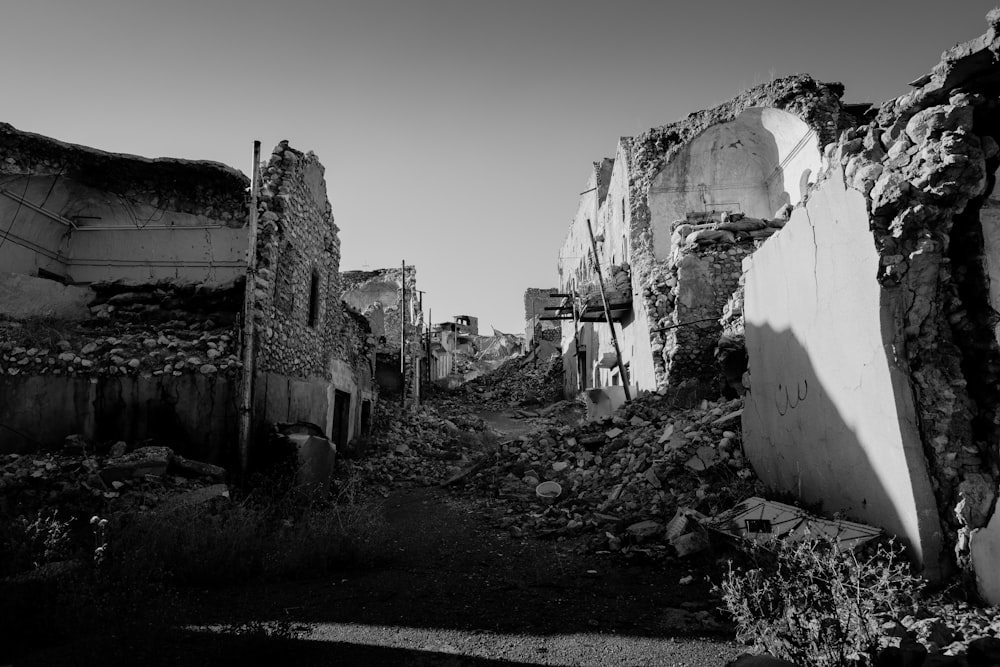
(551, 336)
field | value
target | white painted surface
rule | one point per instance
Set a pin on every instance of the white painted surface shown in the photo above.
(752, 165)
(830, 417)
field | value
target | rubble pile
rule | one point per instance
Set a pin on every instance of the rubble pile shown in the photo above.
(78, 481)
(156, 329)
(625, 481)
(415, 448)
(516, 383)
(173, 347)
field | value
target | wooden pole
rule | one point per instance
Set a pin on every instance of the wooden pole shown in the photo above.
(607, 313)
(576, 341)
(246, 377)
(402, 332)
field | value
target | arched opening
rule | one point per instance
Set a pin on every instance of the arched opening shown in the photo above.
(754, 165)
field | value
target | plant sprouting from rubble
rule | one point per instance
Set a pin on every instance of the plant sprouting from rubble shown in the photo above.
(48, 537)
(813, 602)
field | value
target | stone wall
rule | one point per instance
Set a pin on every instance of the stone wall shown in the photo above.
(535, 301)
(923, 169)
(375, 294)
(309, 343)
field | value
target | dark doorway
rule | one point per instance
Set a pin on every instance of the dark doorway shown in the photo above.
(341, 418)
(366, 418)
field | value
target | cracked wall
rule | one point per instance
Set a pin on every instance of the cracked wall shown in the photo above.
(85, 215)
(923, 169)
(679, 207)
(310, 350)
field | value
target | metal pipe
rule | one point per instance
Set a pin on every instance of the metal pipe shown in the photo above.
(133, 228)
(34, 207)
(246, 377)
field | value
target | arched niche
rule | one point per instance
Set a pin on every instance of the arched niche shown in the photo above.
(755, 164)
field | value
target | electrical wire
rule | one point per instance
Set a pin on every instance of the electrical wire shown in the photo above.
(20, 203)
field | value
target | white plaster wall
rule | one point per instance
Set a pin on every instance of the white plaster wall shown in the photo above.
(830, 416)
(117, 239)
(752, 165)
(989, 218)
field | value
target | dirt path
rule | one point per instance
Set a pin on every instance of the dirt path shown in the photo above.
(454, 590)
(459, 592)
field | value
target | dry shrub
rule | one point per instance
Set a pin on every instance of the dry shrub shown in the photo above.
(811, 603)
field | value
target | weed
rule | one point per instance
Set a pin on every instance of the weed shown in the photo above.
(812, 603)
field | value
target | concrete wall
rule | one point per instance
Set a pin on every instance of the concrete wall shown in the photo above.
(830, 416)
(193, 414)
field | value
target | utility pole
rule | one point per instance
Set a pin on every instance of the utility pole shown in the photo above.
(580, 370)
(246, 377)
(402, 334)
(607, 313)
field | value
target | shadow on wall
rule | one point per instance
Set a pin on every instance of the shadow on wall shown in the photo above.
(866, 467)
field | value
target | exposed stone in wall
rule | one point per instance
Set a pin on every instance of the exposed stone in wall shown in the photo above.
(817, 104)
(198, 187)
(297, 283)
(925, 164)
(148, 330)
(536, 299)
(375, 294)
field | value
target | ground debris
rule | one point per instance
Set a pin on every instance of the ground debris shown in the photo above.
(623, 480)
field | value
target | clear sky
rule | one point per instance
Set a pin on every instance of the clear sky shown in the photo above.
(456, 134)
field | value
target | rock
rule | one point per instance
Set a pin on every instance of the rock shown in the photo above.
(193, 497)
(983, 651)
(190, 467)
(118, 449)
(613, 433)
(690, 544)
(644, 529)
(209, 369)
(143, 461)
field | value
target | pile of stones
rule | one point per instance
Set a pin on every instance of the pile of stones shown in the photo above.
(633, 482)
(413, 448)
(516, 383)
(81, 481)
(174, 347)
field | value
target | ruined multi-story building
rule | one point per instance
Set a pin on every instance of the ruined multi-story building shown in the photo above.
(672, 216)
(542, 333)
(856, 250)
(379, 296)
(122, 301)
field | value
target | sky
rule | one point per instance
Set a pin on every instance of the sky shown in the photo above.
(456, 134)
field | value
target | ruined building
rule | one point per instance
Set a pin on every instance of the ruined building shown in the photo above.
(379, 296)
(122, 301)
(857, 251)
(542, 333)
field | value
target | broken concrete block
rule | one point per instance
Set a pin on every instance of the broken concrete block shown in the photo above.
(690, 544)
(194, 497)
(613, 433)
(644, 529)
(192, 468)
(141, 462)
(651, 477)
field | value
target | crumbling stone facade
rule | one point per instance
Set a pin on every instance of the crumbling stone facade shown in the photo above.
(536, 300)
(909, 188)
(678, 208)
(122, 301)
(314, 360)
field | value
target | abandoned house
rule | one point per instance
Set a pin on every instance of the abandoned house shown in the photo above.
(542, 332)
(388, 299)
(856, 251)
(122, 301)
